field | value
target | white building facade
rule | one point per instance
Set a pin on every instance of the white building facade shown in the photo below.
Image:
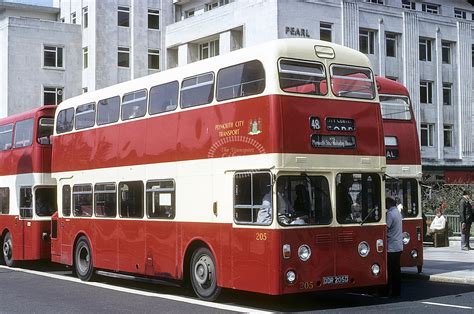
(121, 39)
(426, 45)
(38, 58)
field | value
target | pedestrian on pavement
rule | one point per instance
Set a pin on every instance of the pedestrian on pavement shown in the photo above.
(394, 247)
(466, 217)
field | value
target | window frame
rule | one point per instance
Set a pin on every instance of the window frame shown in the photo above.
(76, 114)
(59, 60)
(150, 94)
(448, 88)
(30, 132)
(172, 191)
(253, 205)
(71, 122)
(241, 94)
(446, 49)
(7, 129)
(153, 13)
(325, 27)
(428, 128)
(410, 5)
(4, 193)
(323, 77)
(212, 47)
(131, 102)
(120, 199)
(392, 38)
(75, 214)
(427, 48)
(429, 92)
(58, 94)
(431, 8)
(460, 13)
(197, 85)
(73, 18)
(448, 141)
(85, 17)
(26, 211)
(151, 53)
(370, 36)
(105, 191)
(372, 79)
(123, 51)
(100, 104)
(123, 10)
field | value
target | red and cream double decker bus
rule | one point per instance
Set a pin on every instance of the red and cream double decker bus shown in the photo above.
(258, 170)
(403, 166)
(27, 191)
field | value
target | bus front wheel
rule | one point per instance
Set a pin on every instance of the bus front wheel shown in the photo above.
(83, 265)
(8, 250)
(204, 275)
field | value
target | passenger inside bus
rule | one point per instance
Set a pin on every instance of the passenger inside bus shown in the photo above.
(344, 199)
(45, 201)
(265, 213)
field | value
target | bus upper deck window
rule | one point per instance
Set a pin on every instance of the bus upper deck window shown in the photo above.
(302, 77)
(395, 107)
(23, 133)
(352, 82)
(6, 132)
(197, 90)
(163, 97)
(240, 80)
(45, 130)
(85, 116)
(134, 105)
(108, 110)
(65, 120)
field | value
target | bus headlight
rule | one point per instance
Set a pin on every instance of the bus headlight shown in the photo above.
(304, 252)
(406, 238)
(363, 249)
(290, 276)
(286, 251)
(414, 254)
(375, 269)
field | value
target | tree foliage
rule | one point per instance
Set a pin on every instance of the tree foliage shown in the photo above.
(433, 195)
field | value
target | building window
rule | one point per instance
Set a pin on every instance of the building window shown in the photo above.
(447, 100)
(426, 92)
(391, 44)
(85, 17)
(73, 18)
(123, 57)
(153, 19)
(448, 135)
(375, 1)
(209, 49)
(53, 56)
(123, 16)
(62, 20)
(325, 31)
(427, 132)
(85, 57)
(425, 49)
(52, 95)
(210, 6)
(366, 41)
(189, 13)
(406, 4)
(85, 90)
(153, 59)
(430, 8)
(472, 55)
(446, 52)
(460, 14)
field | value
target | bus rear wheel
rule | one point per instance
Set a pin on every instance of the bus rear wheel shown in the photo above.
(83, 265)
(204, 275)
(8, 250)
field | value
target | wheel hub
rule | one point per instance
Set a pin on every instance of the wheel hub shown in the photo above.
(6, 249)
(202, 271)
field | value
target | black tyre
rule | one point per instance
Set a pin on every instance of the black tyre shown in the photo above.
(83, 265)
(203, 274)
(7, 249)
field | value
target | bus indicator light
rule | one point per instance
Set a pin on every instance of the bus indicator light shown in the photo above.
(286, 251)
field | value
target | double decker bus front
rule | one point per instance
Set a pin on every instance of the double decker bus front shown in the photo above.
(328, 196)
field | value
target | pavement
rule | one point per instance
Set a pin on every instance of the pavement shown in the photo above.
(446, 264)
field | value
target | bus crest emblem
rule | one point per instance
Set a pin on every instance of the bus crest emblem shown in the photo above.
(255, 126)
